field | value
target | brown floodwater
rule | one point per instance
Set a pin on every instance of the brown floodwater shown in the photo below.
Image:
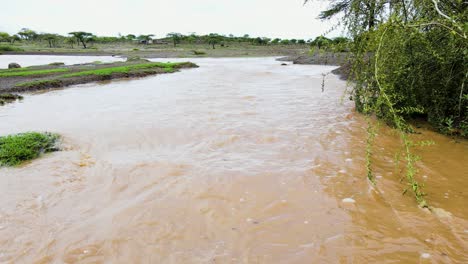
(238, 161)
(32, 60)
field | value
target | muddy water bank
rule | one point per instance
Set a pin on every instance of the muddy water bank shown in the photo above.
(45, 77)
(238, 161)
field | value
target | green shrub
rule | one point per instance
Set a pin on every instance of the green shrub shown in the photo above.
(16, 149)
(9, 48)
(8, 97)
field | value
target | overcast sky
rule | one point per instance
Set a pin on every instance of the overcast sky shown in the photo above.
(269, 18)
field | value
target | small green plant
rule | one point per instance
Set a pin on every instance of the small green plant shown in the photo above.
(448, 125)
(16, 149)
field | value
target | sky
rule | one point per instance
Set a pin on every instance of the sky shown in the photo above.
(259, 18)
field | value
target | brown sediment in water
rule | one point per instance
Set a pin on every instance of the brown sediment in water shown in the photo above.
(238, 161)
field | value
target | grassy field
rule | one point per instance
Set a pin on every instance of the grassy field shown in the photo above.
(168, 67)
(30, 72)
(165, 50)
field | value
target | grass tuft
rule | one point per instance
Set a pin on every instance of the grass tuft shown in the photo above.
(16, 149)
(8, 97)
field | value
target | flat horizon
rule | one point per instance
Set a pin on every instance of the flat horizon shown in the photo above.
(260, 18)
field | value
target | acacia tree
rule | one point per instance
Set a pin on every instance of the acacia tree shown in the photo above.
(70, 41)
(51, 39)
(176, 38)
(321, 42)
(82, 37)
(27, 34)
(214, 39)
(14, 38)
(276, 41)
(130, 37)
(145, 38)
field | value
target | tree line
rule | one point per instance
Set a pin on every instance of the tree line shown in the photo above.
(85, 39)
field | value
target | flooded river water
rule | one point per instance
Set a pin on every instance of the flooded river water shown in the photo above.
(32, 60)
(238, 161)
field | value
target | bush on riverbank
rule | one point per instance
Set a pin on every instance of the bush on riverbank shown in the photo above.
(9, 48)
(16, 149)
(409, 60)
(413, 74)
(8, 97)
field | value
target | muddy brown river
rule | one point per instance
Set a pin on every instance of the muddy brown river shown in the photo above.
(238, 161)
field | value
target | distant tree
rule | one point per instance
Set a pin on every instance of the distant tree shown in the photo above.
(130, 37)
(301, 41)
(293, 41)
(261, 41)
(145, 38)
(51, 39)
(285, 42)
(245, 38)
(70, 41)
(321, 42)
(4, 37)
(258, 41)
(340, 40)
(340, 44)
(192, 38)
(176, 37)
(14, 38)
(82, 37)
(27, 34)
(276, 41)
(214, 39)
